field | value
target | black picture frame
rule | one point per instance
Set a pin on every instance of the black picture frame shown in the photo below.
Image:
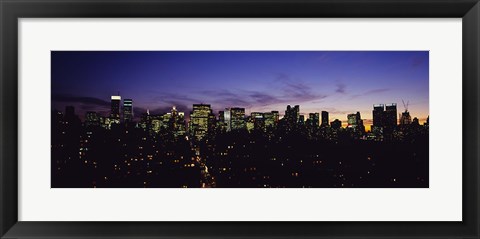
(12, 10)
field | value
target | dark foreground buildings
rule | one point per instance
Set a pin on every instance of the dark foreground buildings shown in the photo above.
(232, 150)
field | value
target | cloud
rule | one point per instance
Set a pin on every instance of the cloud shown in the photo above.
(138, 111)
(290, 91)
(376, 91)
(264, 98)
(341, 88)
(80, 99)
(168, 98)
(232, 102)
(296, 90)
(370, 92)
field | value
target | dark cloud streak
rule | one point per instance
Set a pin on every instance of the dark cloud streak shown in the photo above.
(370, 92)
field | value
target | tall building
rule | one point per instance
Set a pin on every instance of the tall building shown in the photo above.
(127, 110)
(352, 121)
(212, 122)
(145, 121)
(314, 120)
(199, 119)
(391, 115)
(176, 122)
(270, 119)
(385, 115)
(378, 115)
(292, 116)
(325, 119)
(355, 123)
(227, 117)
(405, 118)
(115, 108)
(237, 118)
(221, 116)
(361, 127)
(258, 120)
(221, 125)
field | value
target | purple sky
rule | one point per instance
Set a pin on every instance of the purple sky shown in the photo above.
(340, 82)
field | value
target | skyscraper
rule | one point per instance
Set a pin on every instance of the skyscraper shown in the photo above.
(292, 116)
(384, 120)
(199, 119)
(385, 115)
(391, 115)
(238, 118)
(313, 120)
(221, 121)
(221, 116)
(271, 119)
(378, 115)
(127, 110)
(325, 119)
(258, 120)
(176, 122)
(352, 121)
(355, 123)
(227, 117)
(115, 108)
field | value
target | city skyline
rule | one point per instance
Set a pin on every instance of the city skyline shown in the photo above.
(338, 82)
(240, 119)
(126, 105)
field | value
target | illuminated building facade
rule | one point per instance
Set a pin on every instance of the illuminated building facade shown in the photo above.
(127, 110)
(174, 121)
(115, 109)
(238, 118)
(250, 123)
(258, 120)
(92, 119)
(355, 123)
(227, 117)
(199, 120)
(271, 119)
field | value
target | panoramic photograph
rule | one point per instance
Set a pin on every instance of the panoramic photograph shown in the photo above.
(239, 119)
